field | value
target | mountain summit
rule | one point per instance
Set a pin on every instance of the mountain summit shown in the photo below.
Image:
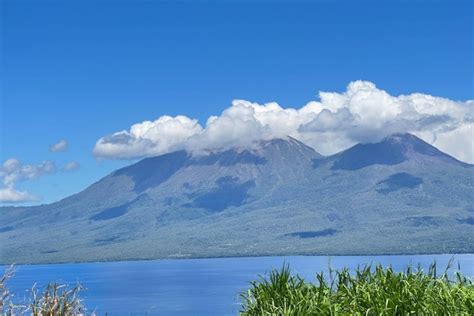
(392, 150)
(400, 195)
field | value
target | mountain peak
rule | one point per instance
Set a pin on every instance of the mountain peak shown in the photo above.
(264, 147)
(392, 150)
(411, 144)
(407, 140)
(403, 137)
(151, 172)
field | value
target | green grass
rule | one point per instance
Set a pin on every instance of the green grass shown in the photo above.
(368, 291)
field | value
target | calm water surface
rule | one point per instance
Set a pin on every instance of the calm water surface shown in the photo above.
(194, 286)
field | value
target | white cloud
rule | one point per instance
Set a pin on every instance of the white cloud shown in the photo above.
(148, 138)
(60, 146)
(363, 113)
(10, 195)
(70, 166)
(13, 171)
(458, 142)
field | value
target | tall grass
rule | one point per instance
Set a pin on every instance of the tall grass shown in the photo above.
(370, 290)
(55, 299)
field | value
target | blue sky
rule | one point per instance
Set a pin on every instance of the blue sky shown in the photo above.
(80, 70)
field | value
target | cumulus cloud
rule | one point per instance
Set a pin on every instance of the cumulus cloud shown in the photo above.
(10, 195)
(13, 171)
(71, 166)
(336, 121)
(148, 138)
(60, 146)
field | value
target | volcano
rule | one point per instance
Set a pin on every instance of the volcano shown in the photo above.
(280, 197)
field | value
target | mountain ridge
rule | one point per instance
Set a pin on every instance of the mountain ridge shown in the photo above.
(280, 197)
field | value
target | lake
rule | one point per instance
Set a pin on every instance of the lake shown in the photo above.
(192, 286)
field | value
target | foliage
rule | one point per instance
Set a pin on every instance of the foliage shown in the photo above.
(57, 300)
(6, 306)
(368, 291)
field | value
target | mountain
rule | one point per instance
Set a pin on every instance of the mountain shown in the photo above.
(400, 195)
(390, 151)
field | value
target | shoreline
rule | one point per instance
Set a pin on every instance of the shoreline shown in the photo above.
(3, 266)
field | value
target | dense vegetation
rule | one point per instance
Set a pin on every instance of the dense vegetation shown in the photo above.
(368, 291)
(57, 300)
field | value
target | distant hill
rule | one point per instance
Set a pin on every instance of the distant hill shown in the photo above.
(397, 196)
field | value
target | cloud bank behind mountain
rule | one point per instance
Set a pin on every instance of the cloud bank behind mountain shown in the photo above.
(363, 113)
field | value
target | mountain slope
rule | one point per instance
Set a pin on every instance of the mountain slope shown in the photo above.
(400, 195)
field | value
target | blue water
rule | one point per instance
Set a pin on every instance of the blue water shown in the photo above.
(191, 287)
